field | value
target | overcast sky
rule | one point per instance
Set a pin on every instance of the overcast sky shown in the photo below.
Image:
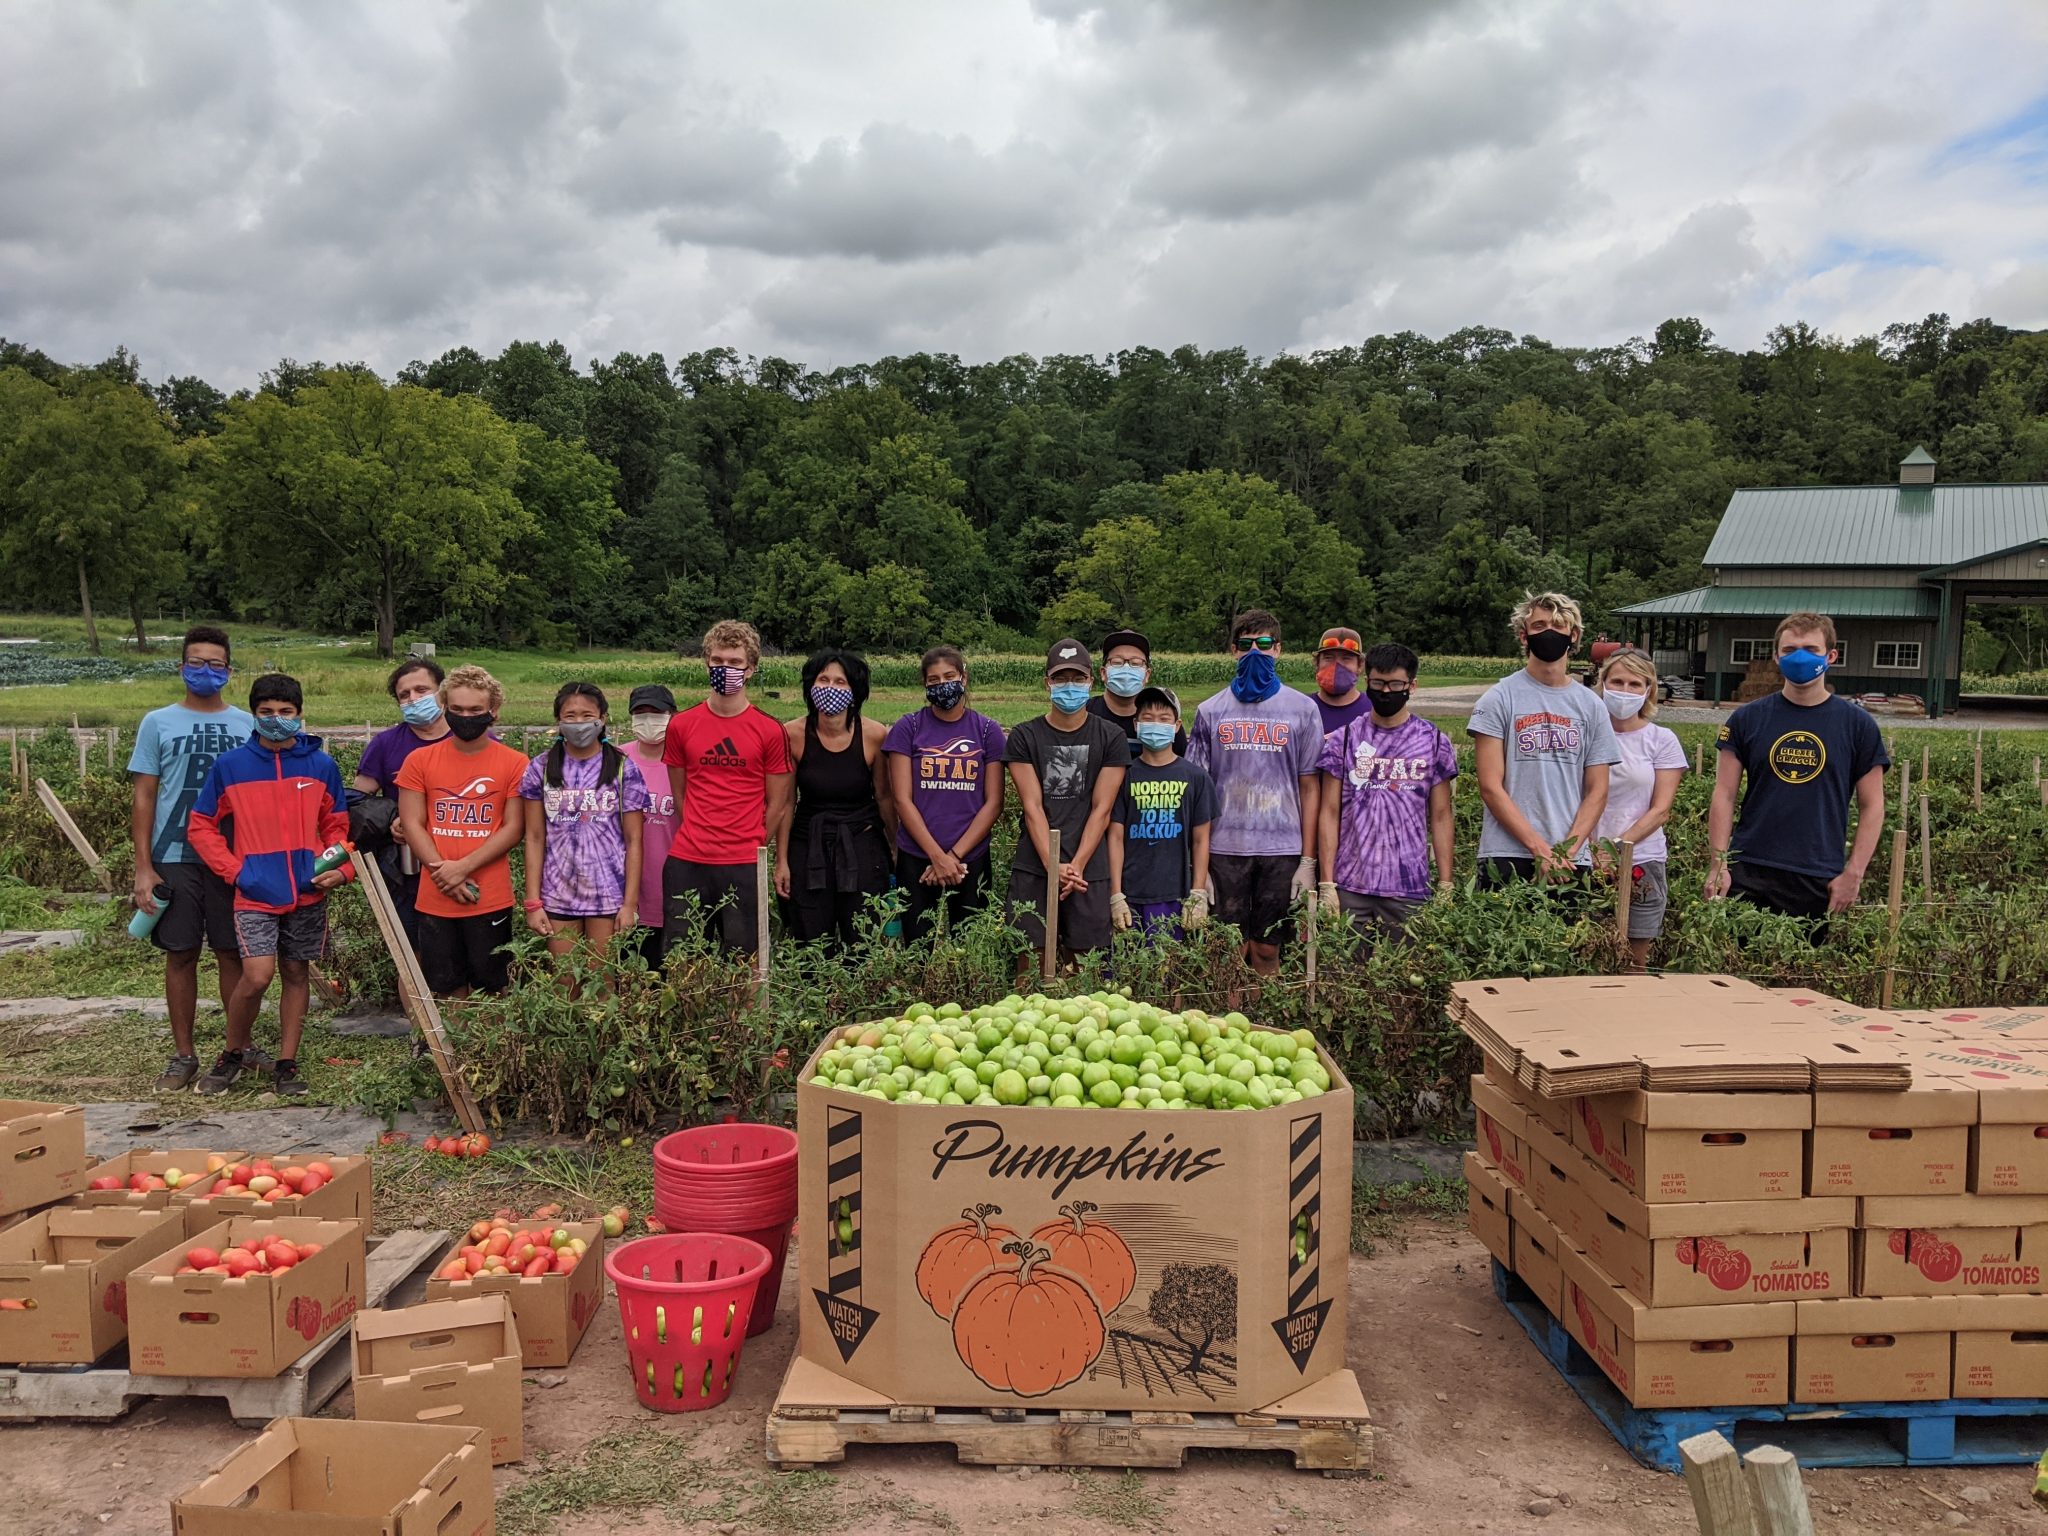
(219, 185)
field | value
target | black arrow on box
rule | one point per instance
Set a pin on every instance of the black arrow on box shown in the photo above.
(839, 1302)
(1303, 1325)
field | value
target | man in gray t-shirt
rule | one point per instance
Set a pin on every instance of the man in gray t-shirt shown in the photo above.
(1543, 743)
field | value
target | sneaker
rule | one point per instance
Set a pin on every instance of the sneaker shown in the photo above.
(178, 1073)
(255, 1058)
(285, 1079)
(226, 1068)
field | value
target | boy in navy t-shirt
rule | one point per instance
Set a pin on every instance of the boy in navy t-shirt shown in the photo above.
(1159, 830)
(1805, 752)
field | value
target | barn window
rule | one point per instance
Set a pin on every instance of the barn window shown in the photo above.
(1897, 656)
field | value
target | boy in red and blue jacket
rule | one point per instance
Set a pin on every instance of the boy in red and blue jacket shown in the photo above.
(265, 813)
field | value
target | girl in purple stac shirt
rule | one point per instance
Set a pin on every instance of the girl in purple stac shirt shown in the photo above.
(586, 841)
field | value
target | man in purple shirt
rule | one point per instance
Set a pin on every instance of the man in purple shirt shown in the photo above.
(415, 687)
(1386, 802)
(1258, 741)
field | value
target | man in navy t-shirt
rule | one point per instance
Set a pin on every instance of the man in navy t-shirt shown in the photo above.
(1806, 752)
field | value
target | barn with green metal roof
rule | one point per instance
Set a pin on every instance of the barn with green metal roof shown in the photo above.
(1896, 566)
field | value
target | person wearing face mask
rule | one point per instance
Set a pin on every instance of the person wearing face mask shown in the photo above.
(835, 858)
(460, 813)
(729, 770)
(1386, 803)
(946, 782)
(1126, 669)
(1543, 745)
(583, 828)
(415, 687)
(1806, 752)
(1067, 766)
(1159, 837)
(1640, 791)
(175, 749)
(266, 812)
(1258, 740)
(1339, 665)
(650, 708)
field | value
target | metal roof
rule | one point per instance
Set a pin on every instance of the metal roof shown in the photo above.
(1776, 602)
(1919, 527)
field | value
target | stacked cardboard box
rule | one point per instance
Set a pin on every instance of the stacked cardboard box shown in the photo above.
(1874, 1236)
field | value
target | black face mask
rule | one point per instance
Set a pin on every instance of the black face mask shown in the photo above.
(1549, 644)
(469, 727)
(1385, 701)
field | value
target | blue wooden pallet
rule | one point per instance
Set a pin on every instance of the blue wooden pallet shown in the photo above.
(1955, 1432)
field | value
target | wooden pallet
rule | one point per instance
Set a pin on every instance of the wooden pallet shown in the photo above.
(1952, 1432)
(108, 1390)
(1326, 1427)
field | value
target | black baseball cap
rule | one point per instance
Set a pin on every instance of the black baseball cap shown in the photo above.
(651, 696)
(1152, 693)
(1117, 637)
(1065, 655)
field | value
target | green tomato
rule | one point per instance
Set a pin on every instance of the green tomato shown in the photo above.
(1196, 1086)
(989, 1070)
(1039, 1084)
(1124, 1077)
(1095, 1072)
(1067, 1101)
(1066, 1085)
(1010, 1088)
(1106, 1093)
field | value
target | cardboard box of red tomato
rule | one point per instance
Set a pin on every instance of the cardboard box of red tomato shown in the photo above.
(1915, 1142)
(1952, 1245)
(136, 1180)
(1689, 1148)
(1503, 1126)
(1487, 1208)
(1679, 1357)
(251, 1324)
(64, 1280)
(42, 1153)
(552, 1310)
(338, 1477)
(2001, 1346)
(1180, 1262)
(329, 1189)
(1862, 1350)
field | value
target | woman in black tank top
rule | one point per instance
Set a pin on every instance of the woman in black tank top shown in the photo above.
(836, 856)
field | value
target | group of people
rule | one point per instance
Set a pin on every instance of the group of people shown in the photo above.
(1132, 816)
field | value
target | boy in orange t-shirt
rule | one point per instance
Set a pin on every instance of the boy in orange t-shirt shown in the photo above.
(459, 813)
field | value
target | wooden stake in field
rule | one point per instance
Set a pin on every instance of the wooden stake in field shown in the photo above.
(1713, 1476)
(1926, 854)
(1699, 757)
(1777, 1495)
(84, 744)
(1052, 903)
(1309, 938)
(1624, 889)
(1977, 776)
(761, 938)
(1924, 760)
(76, 838)
(1897, 893)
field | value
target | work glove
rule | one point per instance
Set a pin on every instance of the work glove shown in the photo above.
(1304, 879)
(1119, 911)
(1326, 894)
(1194, 912)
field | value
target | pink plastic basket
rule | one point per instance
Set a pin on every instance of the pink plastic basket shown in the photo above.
(737, 1155)
(685, 1301)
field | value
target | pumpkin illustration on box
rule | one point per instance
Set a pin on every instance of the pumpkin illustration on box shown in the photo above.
(1028, 1329)
(1092, 1250)
(961, 1254)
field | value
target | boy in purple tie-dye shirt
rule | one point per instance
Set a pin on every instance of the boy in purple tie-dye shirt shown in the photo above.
(1386, 801)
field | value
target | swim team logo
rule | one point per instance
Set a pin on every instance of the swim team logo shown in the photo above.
(956, 765)
(480, 786)
(1797, 757)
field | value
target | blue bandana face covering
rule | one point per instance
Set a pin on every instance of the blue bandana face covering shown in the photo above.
(204, 681)
(1802, 667)
(1257, 678)
(278, 727)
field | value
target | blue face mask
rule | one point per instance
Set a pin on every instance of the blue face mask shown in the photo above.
(1069, 698)
(278, 727)
(204, 681)
(1124, 680)
(424, 710)
(1155, 735)
(1257, 677)
(1802, 667)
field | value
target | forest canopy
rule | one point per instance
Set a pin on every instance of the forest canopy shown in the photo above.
(1408, 486)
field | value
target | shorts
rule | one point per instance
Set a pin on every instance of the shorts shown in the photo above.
(1779, 890)
(1648, 900)
(1253, 892)
(1157, 917)
(1377, 915)
(1084, 916)
(201, 911)
(458, 952)
(726, 904)
(300, 934)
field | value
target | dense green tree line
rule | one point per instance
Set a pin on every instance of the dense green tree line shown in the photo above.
(1411, 486)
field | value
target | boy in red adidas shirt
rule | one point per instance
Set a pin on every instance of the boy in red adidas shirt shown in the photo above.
(280, 798)
(729, 769)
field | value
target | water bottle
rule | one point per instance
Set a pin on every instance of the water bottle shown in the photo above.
(142, 922)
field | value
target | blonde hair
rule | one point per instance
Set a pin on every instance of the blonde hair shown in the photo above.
(1557, 603)
(1805, 624)
(1638, 665)
(474, 677)
(728, 633)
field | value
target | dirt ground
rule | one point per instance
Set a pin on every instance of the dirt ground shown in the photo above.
(1469, 1429)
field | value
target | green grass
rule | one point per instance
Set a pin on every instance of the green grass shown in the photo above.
(1129, 1502)
(1377, 1210)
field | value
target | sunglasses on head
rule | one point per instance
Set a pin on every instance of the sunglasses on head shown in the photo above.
(1341, 644)
(1254, 642)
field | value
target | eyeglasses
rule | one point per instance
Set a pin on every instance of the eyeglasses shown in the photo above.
(1398, 690)
(1259, 642)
